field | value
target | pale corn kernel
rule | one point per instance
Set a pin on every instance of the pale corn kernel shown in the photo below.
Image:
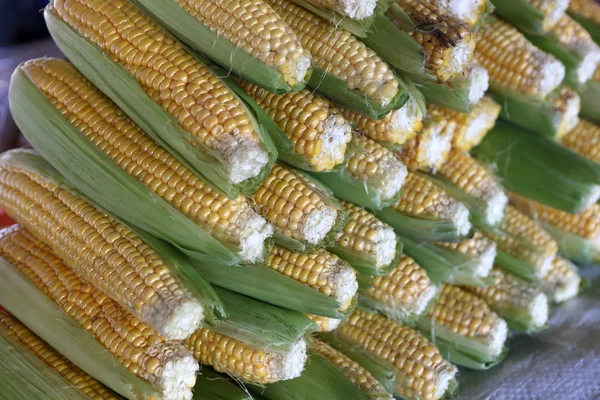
(586, 8)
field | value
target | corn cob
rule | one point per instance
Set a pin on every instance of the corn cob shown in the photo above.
(584, 139)
(469, 181)
(516, 66)
(71, 373)
(105, 128)
(249, 38)
(101, 249)
(472, 127)
(214, 129)
(419, 369)
(325, 324)
(323, 272)
(468, 11)
(460, 322)
(573, 46)
(448, 47)
(396, 127)
(362, 378)
(318, 132)
(587, 13)
(532, 16)
(553, 117)
(562, 281)
(241, 361)
(523, 306)
(578, 236)
(429, 149)
(371, 177)
(426, 212)
(540, 169)
(296, 206)
(523, 247)
(355, 9)
(370, 85)
(403, 294)
(366, 243)
(166, 365)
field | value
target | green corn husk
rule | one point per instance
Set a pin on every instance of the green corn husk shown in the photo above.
(178, 264)
(370, 192)
(452, 266)
(526, 16)
(552, 117)
(40, 314)
(24, 376)
(211, 385)
(320, 380)
(574, 247)
(540, 169)
(463, 356)
(520, 303)
(118, 84)
(590, 98)
(461, 93)
(357, 27)
(96, 175)
(261, 325)
(202, 39)
(589, 25)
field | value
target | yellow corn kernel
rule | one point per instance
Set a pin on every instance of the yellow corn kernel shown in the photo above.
(355, 9)
(562, 281)
(586, 8)
(553, 10)
(325, 324)
(584, 139)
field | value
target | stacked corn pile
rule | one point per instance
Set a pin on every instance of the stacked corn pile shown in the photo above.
(313, 197)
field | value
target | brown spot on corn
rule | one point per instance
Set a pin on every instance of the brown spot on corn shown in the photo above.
(584, 139)
(102, 250)
(513, 63)
(254, 27)
(106, 126)
(53, 359)
(448, 43)
(586, 8)
(422, 370)
(314, 125)
(294, 205)
(322, 271)
(135, 344)
(239, 360)
(340, 54)
(325, 324)
(186, 89)
(472, 127)
(353, 371)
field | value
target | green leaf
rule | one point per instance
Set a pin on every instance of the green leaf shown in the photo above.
(211, 385)
(590, 98)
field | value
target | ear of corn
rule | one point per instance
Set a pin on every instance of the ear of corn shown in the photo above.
(250, 40)
(155, 283)
(516, 67)
(372, 176)
(345, 70)
(463, 263)
(182, 104)
(426, 212)
(562, 282)
(465, 329)
(590, 95)
(315, 131)
(472, 12)
(404, 361)
(98, 148)
(470, 182)
(321, 380)
(304, 212)
(577, 235)
(366, 243)
(524, 248)
(587, 13)
(404, 294)
(532, 16)
(367, 384)
(325, 324)
(33, 369)
(552, 117)
(429, 149)
(24, 299)
(584, 139)
(534, 167)
(570, 43)
(522, 305)
(461, 93)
